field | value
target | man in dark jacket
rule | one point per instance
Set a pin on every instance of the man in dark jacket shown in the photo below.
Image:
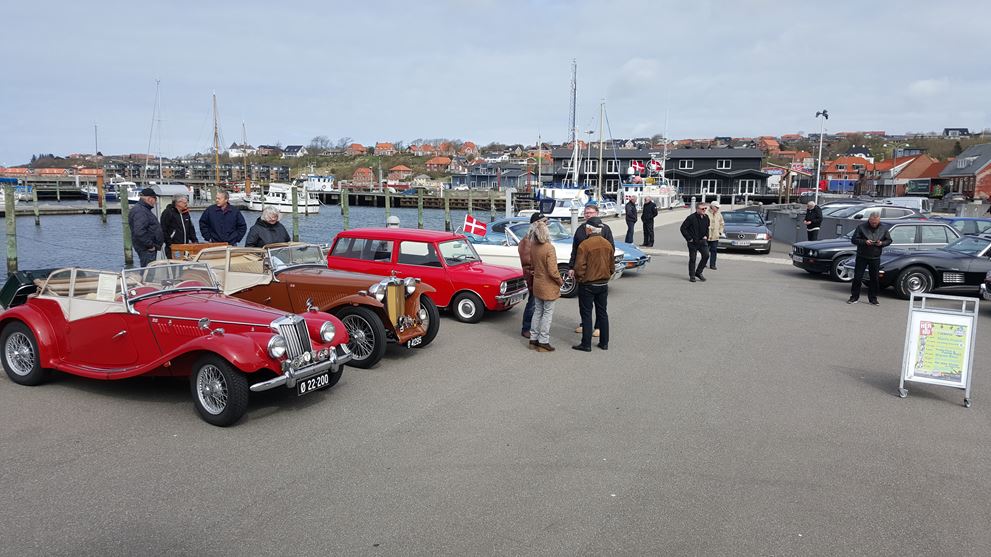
(631, 219)
(177, 224)
(146, 232)
(870, 238)
(222, 222)
(267, 230)
(591, 211)
(647, 216)
(695, 230)
(813, 220)
(593, 269)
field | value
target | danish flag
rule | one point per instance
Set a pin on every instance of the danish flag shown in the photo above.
(637, 166)
(656, 166)
(474, 226)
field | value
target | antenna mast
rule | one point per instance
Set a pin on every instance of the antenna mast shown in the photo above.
(574, 97)
(216, 150)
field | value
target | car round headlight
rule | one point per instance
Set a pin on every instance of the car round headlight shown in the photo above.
(503, 287)
(277, 347)
(378, 291)
(327, 332)
(410, 284)
(813, 252)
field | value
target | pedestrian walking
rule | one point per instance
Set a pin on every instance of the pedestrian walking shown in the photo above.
(813, 220)
(177, 224)
(267, 229)
(647, 217)
(870, 238)
(631, 218)
(146, 231)
(547, 283)
(695, 230)
(593, 269)
(523, 248)
(717, 230)
(591, 211)
(222, 222)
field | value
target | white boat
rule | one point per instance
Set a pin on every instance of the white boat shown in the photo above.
(565, 199)
(662, 193)
(320, 184)
(109, 192)
(280, 197)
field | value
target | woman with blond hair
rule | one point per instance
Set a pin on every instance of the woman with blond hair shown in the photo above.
(547, 283)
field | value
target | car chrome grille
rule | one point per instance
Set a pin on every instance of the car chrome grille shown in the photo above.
(293, 329)
(741, 236)
(515, 284)
(953, 278)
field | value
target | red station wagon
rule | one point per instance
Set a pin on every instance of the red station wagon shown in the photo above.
(444, 260)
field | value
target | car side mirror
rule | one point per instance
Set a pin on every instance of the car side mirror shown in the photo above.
(858, 217)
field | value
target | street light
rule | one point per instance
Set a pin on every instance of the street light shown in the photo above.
(822, 127)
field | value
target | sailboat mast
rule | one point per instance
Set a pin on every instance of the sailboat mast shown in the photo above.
(598, 184)
(247, 172)
(151, 131)
(216, 150)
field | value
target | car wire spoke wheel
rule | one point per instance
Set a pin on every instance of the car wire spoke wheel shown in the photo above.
(20, 354)
(211, 388)
(361, 339)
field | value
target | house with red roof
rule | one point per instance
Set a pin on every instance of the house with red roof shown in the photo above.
(769, 145)
(356, 149)
(846, 174)
(791, 137)
(439, 164)
(399, 172)
(468, 148)
(363, 178)
(385, 149)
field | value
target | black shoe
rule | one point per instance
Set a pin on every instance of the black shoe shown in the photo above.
(581, 347)
(713, 267)
(874, 303)
(853, 301)
(603, 346)
(691, 279)
(700, 277)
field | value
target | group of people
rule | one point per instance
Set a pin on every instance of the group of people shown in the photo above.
(219, 223)
(647, 216)
(591, 265)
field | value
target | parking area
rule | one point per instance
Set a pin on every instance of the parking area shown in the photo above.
(753, 414)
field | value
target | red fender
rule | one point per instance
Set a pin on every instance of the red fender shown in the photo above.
(48, 344)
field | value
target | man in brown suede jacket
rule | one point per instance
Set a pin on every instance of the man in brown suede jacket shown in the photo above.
(593, 269)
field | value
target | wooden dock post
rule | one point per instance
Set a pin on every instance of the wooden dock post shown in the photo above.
(295, 213)
(37, 210)
(128, 256)
(345, 202)
(388, 204)
(11, 218)
(101, 198)
(447, 211)
(419, 207)
(469, 203)
(492, 208)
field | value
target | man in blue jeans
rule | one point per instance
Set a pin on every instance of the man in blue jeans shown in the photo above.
(524, 251)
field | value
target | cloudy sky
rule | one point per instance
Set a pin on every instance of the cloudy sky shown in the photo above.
(480, 70)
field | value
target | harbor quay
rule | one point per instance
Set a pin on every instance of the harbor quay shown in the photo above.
(753, 414)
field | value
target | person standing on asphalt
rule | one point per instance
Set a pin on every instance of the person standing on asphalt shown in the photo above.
(547, 283)
(695, 230)
(593, 269)
(813, 220)
(591, 211)
(870, 238)
(631, 219)
(222, 222)
(647, 216)
(267, 230)
(523, 248)
(177, 224)
(146, 232)
(717, 230)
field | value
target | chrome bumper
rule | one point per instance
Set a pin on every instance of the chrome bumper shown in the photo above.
(511, 299)
(290, 375)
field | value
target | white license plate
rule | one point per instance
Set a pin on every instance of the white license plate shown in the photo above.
(307, 386)
(741, 243)
(414, 342)
(796, 257)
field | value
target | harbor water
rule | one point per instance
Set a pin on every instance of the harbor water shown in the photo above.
(85, 241)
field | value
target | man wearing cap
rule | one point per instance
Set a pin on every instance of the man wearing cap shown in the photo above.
(813, 220)
(222, 222)
(146, 231)
(631, 218)
(591, 211)
(527, 264)
(695, 230)
(717, 230)
(593, 269)
(647, 216)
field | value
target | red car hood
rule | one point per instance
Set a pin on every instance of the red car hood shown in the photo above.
(217, 307)
(500, 272)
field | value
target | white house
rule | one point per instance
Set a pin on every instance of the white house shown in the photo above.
(294, 151)
(236, 151)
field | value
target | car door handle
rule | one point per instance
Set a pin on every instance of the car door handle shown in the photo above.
(118, 335)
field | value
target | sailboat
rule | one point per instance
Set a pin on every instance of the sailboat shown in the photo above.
(133, 190)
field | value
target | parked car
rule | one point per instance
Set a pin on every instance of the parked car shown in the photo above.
(828, 256)
(295, 277)
(967, 225)
(444, 260)
(167, 320)
(961, 265)
(920, 204)
(888, 212)
(500, 248)
(745, 230)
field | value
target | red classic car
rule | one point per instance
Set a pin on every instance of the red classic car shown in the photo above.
(444, 260)
(165, 320)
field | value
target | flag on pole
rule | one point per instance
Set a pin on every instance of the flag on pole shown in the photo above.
(637, 166)
(656, 166)
(474, 226)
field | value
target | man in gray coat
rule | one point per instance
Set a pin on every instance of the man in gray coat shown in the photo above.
(146, 231)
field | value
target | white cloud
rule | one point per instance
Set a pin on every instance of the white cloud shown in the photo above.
(929, 87)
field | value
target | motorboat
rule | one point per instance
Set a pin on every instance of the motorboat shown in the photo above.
(110, 192)
(280, 196)
(320, 184)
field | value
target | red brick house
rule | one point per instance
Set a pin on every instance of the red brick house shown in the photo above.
(469, 148)
(769, 146)
(356, 149)
(399, 172)
(385, 149)
(363, 178)
(970, 172)
(438, 164)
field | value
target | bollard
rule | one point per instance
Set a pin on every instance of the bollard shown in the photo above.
(11, 217)
(419, 208)
(101, 197)
(128, 256)
(693, 204)
(447, 211)
(388, 204)
(492, 208)
(295, 212)
(345, 202)
(509, 202)
(469, 202)
(37, 210)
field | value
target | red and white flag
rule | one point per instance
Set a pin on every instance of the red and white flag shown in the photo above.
(656, 166)
(474, 226)
(637, 166)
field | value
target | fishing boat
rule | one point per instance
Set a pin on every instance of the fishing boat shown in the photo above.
(280, 197)
(110, 192)
(319, 184)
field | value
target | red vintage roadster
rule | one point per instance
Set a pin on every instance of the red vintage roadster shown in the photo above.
(167, 320)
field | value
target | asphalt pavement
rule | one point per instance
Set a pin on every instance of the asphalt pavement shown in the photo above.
(753, 414)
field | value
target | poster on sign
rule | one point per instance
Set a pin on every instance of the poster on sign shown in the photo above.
(939, 342)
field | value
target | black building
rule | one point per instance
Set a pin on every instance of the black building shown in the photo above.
(616, 167)
(724, 172)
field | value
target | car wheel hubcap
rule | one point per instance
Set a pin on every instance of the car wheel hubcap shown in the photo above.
(211, 387)
(569, 283)
(20, 354)
(467, 309)
(362, 339)
(916, 283)
(843, 273)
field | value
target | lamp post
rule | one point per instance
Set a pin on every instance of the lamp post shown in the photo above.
(822, 127)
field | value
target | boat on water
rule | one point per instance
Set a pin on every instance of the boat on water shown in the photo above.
(280, 196)
(660, 190)
(134, 191)
(317, 183)
(565, 199)
(110, 192)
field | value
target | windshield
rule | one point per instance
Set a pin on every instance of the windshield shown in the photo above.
(743, 217)
(176, 277)
(456, 252)
(971, 245)
(557, 230)
(850, 211)
(296, 255)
